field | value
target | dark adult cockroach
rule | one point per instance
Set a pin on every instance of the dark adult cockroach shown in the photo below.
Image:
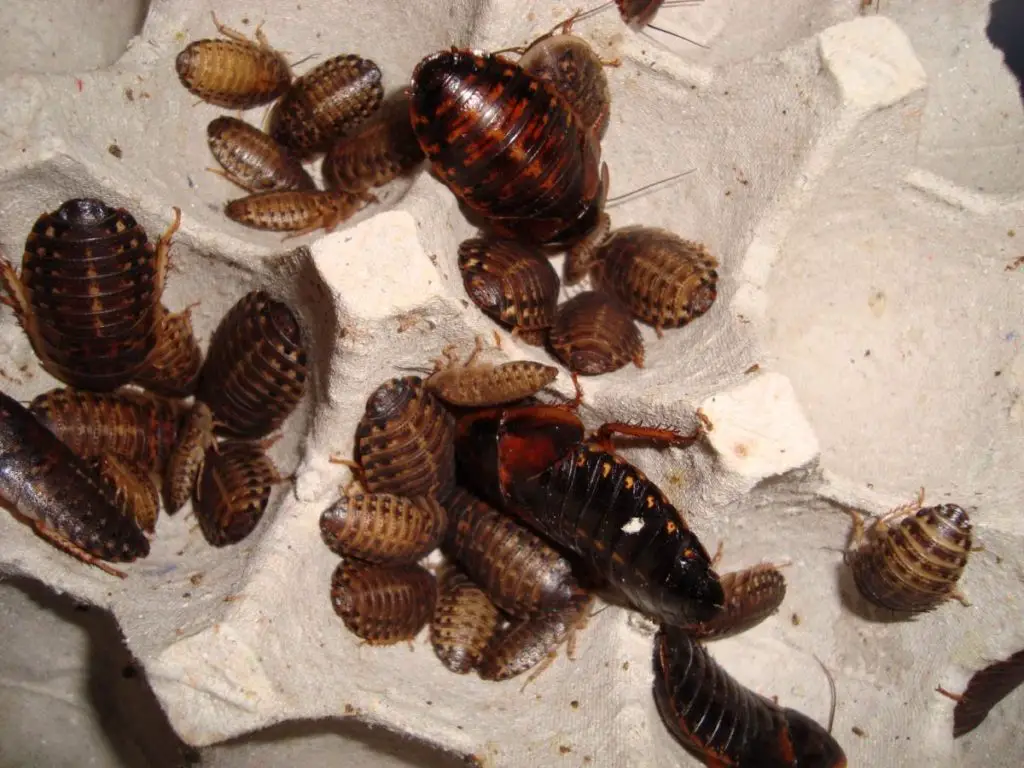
(234, 489)
(660, 278)
(509, 146)
(383, 604)
(915, 565)
(478, 385)
(89, 292)
(532, 643)
(751, 596)
(464, 622)
(380, 150)
(186, 460)
(327, 102)
(255, 370)
(985, 690)
(252, 159)
(384, 528)
(514, 285)
(132, 487)
(172, 368)
(236, 73)
(519, 572)
(65, 500)
(296, 211)
(593, 334)
(725, 724)
(577, 73)
(533, 461)
(404, 441)
(137, 426)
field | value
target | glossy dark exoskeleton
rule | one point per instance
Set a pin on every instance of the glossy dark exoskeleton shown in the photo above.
(725, 724)
(66, 501)
(534, 462)
(509, 146)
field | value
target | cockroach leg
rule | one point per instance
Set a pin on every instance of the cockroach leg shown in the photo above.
(960, 597)
(234, 34)
(957, 697)
(74, 550)
(666, 436)
(358, 473)
(548, 660)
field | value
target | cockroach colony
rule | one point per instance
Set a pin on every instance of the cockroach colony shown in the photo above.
(495, 486)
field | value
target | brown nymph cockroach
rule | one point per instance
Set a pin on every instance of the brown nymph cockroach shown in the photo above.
(325, 103)
(726, 725)
(383, 528)
(64, 499)
(519, 572)
(404, 441)
(986, 688)
(138, 426)
(509, 146)
(514, 285)
(660, 278)
(912, 566)
(186, 460)
(236, 73)
(532, 643)
(477, 385)
(383, 604)
(751, 596)
(378, 151)
(251, 159)
(296, 211)
(593, 334)
(172, 368)
(255, 370)
(132, 488)
(234, 489)
(464, 622)
(89, 292)
(535, 462)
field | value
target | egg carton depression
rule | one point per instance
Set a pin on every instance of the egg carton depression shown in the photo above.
(841, 329)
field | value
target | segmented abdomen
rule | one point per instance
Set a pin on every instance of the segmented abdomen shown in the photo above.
(715, 717)
(914, 566)
(606, 510)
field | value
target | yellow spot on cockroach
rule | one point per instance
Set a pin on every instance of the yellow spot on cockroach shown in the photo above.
(650, 502)
(581, 460)
(606, 468)
(629, 482)
(670, 529)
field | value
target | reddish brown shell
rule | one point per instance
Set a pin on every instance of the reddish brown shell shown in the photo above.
(986, 688)
(252, 159)
(915, 565)
(751, 596)
(186, 459)
(517, 570)
(405, 441)
(383, 604)
(464, 622)
(255, 370)
(508, 145)
(529, 642)
(384, 528)
(571, 66)
(236, 73)
(296, 211)
(663, 280)
(380, 150)
(66, 501)
(638, 13)
(233, 492)
(89, 293)
(481, 384)
(325, 103)
(579, 258)
(137, 426)
(514, 285)
(132, 487)
(593, 334)
(172, 368)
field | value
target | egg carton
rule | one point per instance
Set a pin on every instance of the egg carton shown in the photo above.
(865, 341)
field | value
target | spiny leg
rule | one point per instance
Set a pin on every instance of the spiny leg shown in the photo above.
(662, 435)
(904, 509)
(63, 544)
(233, 34)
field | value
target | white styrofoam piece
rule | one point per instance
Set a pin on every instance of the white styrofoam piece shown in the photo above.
(836, 233)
